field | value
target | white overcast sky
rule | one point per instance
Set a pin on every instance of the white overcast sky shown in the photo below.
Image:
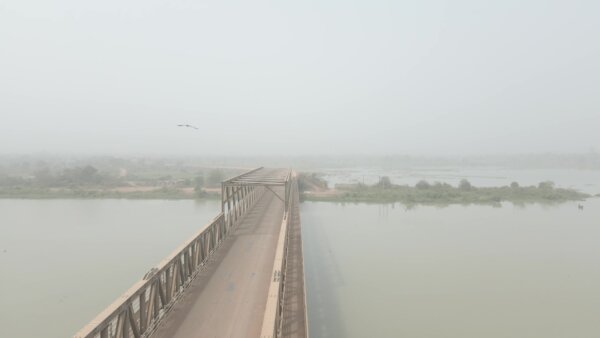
(299, 77)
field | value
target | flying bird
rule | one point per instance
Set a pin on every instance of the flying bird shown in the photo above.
(187, 126)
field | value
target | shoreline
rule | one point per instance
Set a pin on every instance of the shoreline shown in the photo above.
(315, 189)
(161, 193)
(437, 193)
(329, 197)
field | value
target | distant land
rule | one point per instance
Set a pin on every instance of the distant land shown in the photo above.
(315, 189)
(111, 178)
(26, 163)
(43, 176)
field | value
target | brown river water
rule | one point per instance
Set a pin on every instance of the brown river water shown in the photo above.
(371, 270)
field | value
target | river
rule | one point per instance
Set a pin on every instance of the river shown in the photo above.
(371, 270)
(64, 261)
(458, 271)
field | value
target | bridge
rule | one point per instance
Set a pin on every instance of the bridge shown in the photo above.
(241, 275)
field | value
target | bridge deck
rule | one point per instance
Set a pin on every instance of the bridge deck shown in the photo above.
(228, 299)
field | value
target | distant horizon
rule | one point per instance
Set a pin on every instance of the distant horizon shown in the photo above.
(592, 152)
(586, 161)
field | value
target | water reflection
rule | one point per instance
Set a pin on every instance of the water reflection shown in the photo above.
(457, 271)
(324, 276)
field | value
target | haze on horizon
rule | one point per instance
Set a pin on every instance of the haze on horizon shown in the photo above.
(312, 77)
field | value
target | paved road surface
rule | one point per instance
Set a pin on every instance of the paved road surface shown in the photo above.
(228, 299)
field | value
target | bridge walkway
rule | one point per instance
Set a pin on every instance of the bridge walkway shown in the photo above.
(228, 298)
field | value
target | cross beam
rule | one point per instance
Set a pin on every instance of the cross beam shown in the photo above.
(257, 178)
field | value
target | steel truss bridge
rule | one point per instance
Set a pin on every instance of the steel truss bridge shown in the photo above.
(241, 275)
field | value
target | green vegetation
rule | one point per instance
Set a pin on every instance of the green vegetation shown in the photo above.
(215, 177)
(442, 193)
(110, 179)
(171, 179)
(77, 193)
(311, 182)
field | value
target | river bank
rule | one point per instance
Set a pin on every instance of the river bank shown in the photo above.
(139, 193)
(437, 193)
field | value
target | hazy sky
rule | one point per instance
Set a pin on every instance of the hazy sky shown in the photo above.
(306, 77)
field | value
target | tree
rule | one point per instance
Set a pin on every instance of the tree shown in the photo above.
(44, 177)
(514, 185)
(384, 182)
(199, 185)
(215, 177)
(546, 185)
(88, 174)
(465, 185)
(81, 176)
(199, 181)
(422, 184)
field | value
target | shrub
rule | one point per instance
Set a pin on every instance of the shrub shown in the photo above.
(422, 184)
(465, 185)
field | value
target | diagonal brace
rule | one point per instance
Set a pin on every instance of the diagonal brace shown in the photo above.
(274, 193)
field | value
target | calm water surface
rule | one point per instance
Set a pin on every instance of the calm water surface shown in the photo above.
(371, 270)
(459, 271)
(63, 261)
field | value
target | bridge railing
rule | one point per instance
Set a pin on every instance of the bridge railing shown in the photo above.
(273, 320)
(138, 312)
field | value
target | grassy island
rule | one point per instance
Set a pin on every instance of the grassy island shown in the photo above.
(438, 193)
